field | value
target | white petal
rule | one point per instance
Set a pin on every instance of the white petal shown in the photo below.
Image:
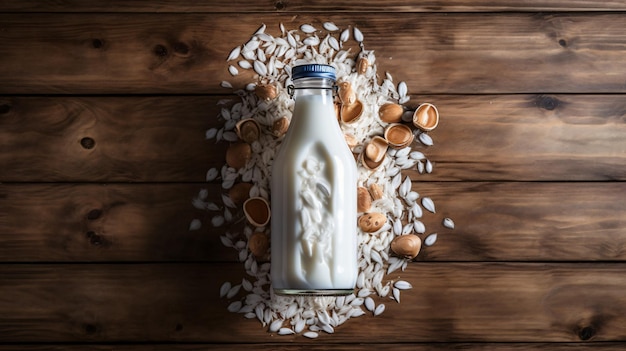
(448, 223)
(426, 139)
(345, 35)
(224, 289)
(195, 224)
(330, 26)
(311, 335)
(379, 309)
(431, 239)
(402, 89)
(428, 204)
(307, 28)
(234, 53)
(402, 285)
(358, 35)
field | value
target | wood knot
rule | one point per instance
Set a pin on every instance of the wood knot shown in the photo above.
(5, 108)
(563, 43)
(97, 43)
(160, 50)
(96, 239)
(280, 5)
(586, 333)
(547, 102)
(181, 49)
(87, 143)
(90, 328)
(94, 214)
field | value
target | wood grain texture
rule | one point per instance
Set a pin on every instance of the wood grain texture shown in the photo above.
(150, 222)
(449, 303)
(433, 53)
(243, 6)
(548, 137)
(297, 346)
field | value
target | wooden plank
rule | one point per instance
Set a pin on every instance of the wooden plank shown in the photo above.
(433, 53)
(453, 302)
(107, 139)
(162, 139)
(306, 6)
(150, 222)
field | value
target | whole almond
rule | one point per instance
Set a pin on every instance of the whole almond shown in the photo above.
(372, 222)
(240, 192)
(258, 244)
(407, 246)
(390, 113)
(238, 154)
(280, 126)
(266, 91)
(364, 200)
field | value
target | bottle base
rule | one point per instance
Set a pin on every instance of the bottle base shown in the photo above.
(314, 292)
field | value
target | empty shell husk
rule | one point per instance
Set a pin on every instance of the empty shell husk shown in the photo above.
(426, 117)
(248, 130)
(374, 153)
(390, 112)
(398, 135)
(346, 93)
(257, 211)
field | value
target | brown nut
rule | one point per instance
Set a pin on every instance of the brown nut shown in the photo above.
(361, 65)
(248, 130)
(351, 113)
(238, 154)
(258, 244)
(364, 200)
(376, 191)
(398, 135)
(350, 140)
(372, 222)
(266, 91)
(280, 126)
(257, 211)
(426, 117)
(390, 113)
(240, 192)
(407, 246)
(346, 93)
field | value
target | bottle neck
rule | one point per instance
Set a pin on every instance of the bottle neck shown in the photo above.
(313, 86)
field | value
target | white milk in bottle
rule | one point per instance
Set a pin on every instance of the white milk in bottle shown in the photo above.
(313, 195)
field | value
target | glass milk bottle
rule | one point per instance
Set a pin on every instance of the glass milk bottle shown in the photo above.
(313, 195)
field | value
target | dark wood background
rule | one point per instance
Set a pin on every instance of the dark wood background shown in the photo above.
(103, 110)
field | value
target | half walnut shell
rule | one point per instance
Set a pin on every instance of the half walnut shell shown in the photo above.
(426, 117)
(374, 153)
(257, 211)
(352, 112)
(248, 130)
(398, 135)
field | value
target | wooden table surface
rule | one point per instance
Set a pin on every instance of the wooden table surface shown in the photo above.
(103, 111)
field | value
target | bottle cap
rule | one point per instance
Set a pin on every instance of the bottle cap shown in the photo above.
(313, 71)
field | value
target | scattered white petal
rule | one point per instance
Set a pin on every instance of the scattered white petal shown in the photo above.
(358, 35)
(345, 35)
(330, 26)
(233, 70)
(195, 224)
(379, 309)
(402, 285)
(224, 289)
(234, 53)
(431, 239)
(448, 223)
(369, 304)
(234, 306)
(426, 139)
(428, 204)
(311, 335)
(226, 84)
(211, 133)
(402, 89)
(286, 331)
(307, 28)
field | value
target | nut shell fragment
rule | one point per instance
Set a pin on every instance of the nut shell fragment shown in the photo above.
(346, 93)
(240, 192)
(352, 112)
(257, 211)
(390, 113)
(248, 130)
(376, 191)
(266, 91)
(280, 126)
(426, 117)
(362, 64)
(407, 246)
(238, 154)
(375, 152)
(258, 244)
(398, 135)
(364, 200)
(372, 222)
